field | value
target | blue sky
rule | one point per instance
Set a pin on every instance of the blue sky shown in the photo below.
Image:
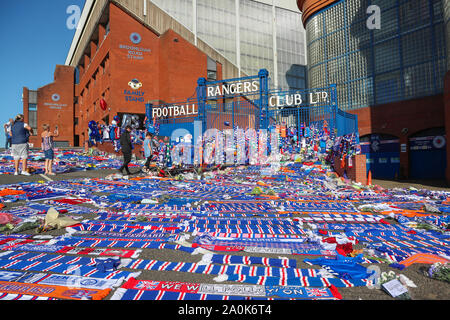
(34, 37)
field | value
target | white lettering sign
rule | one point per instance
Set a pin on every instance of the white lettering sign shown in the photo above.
(174, 111)
(297, 99)
(234, 88)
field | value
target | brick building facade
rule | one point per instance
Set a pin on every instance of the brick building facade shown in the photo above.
(126, 64)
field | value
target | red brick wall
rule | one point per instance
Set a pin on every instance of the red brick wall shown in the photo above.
(357, 172)
(25, 93)
(55, 113)
(415, 115)
(169, 72)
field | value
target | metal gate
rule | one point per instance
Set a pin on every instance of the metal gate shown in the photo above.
(247, 102)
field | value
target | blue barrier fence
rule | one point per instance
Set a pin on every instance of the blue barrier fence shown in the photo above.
(247, 102)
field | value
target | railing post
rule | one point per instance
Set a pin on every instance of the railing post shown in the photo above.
(148, 116)
(263, 75)
(201, 100)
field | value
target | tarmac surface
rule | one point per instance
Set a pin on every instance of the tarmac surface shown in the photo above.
(427, 288)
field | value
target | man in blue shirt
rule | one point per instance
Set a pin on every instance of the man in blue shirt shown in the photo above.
(20, 132)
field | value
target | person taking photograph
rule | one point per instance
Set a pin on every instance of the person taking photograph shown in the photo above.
(47, 146)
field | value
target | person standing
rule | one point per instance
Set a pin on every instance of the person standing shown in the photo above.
(149, 150)
(7, 127)
(47, 147)
(20, 133)
(127, 147)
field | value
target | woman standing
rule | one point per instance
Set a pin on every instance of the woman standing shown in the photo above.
(47, 147)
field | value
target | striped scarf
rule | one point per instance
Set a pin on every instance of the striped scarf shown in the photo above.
(60, 264)
(13, 296)
(130, 294)
(303, 281)
(156, 265)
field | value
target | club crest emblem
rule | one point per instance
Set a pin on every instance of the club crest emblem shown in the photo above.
(56, 97)
(135, 38)
(135, 84)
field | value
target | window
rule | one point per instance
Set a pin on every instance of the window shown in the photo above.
(32, 96)
(32, 117)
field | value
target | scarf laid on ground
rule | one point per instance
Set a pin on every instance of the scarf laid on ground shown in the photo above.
(73, 250)
(251, 235)
(200, 268)
(296, 292)
(60, 280)
(130, 294)
(60, 292)
(303, 281)
(268, 243)
(111, 234)
(243, 229)
(122, 228)
(13, 297)
(85, 267)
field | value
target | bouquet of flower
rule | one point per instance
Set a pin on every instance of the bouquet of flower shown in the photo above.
(440, 271)
(387, 276)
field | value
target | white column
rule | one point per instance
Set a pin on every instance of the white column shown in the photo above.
(145, 8)
(194, 20)
(274, 39)
(238, 37)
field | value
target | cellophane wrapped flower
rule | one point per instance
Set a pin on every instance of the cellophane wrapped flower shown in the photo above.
(440, 271)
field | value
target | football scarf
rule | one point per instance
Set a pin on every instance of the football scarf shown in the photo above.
(13, 297)
(269, 243)
(296, 292)
(129, 294)
(244, 229)
(303, 281)
(227, 221)
(80, 282)
(73, 250)
(104, 217)
(249, 260)
(119, 243)
(122, 228)
(250, 235)
(136, 236)
(60, 292)
(60, 280)
(80, 269)
(200, 268)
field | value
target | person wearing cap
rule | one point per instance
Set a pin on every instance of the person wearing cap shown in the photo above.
(20, 133)
(127, 147)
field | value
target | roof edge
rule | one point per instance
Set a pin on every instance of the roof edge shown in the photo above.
(80, 29)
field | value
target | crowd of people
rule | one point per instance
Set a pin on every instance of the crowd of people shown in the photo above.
(307, 142)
